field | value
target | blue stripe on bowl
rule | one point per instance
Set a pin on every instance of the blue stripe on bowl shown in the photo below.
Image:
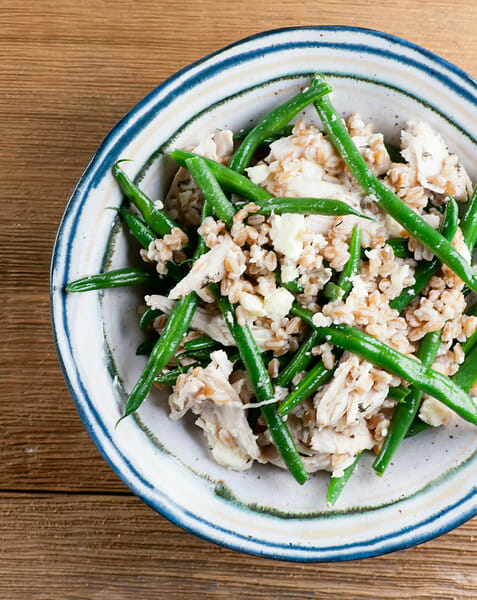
(109, 150)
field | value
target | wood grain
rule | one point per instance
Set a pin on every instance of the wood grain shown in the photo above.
(63, 546)
(69, 71)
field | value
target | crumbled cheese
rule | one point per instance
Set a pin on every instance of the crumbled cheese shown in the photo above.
(286, 233)
(308, 183)
(434, 412)
(289, 271)
(253, 304)
(258, 174)
(393, 227)
(319, 320)
(278, 303)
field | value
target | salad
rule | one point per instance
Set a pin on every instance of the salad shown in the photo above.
(309, 290)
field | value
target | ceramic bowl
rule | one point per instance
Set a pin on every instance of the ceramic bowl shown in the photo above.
(430, 487)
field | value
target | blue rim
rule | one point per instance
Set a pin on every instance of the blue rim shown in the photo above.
(101, 161)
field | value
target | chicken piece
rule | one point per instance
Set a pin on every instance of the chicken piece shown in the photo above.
(358, 389)
(213, 325)
(209, 268)
(209, 394)
(437, 169)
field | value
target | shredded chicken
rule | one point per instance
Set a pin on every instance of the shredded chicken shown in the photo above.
(209, 394)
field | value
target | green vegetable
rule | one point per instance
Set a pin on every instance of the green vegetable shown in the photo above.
(306, 206)
(201, 343)
(406, 412)
(202, 355)
(273, 122)
(400, 247)
(466, 376)
(427, 268)
(144, 234)
(285, 132)
(344, 285)
(389, 202)
(211, 189)
(394, 154)
(145, 348)
(300, 361)
(157, 219)
(170, 377)
(469, 223)
(148, 317)
(417, 427)
(292, 286)
(228, 179)
(119, 278)
(470, 342)
(336, 485)
(176, 327)
(398, 393)
(316, 376)
(262, 385)
(382, 355)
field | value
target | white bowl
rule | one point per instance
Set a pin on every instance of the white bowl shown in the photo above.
(430, 487)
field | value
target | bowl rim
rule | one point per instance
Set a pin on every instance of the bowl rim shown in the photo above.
(123, 468)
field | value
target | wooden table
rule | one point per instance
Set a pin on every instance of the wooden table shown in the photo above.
(69, 527)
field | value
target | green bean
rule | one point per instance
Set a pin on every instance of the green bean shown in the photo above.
(398, 393)
(426, 269)
(110, 279)
(211, 189)
(292, 286)
(316, 376)
(332, 291)
(385, 357)
(394, 154)
(176, 327)
(472, 310)
(417, 427)
(406, 412)
(400, 247)
(466, 376)
(345, 283)
(306, 206)
(157, 219)
(228, 179)
(336, 485)
(389, 202)
(202, 355)
(170, 377)
(469, 223)
(144, 234)
(470, 342)
(262, 385)
(148, 317)
(300, 361)
(201, 343)
(146, 347)
(273, 122)
(285, 132)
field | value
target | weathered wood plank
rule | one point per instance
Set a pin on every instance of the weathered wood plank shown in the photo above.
(63, 546)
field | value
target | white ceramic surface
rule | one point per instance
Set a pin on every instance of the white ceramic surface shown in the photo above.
(430, 487)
